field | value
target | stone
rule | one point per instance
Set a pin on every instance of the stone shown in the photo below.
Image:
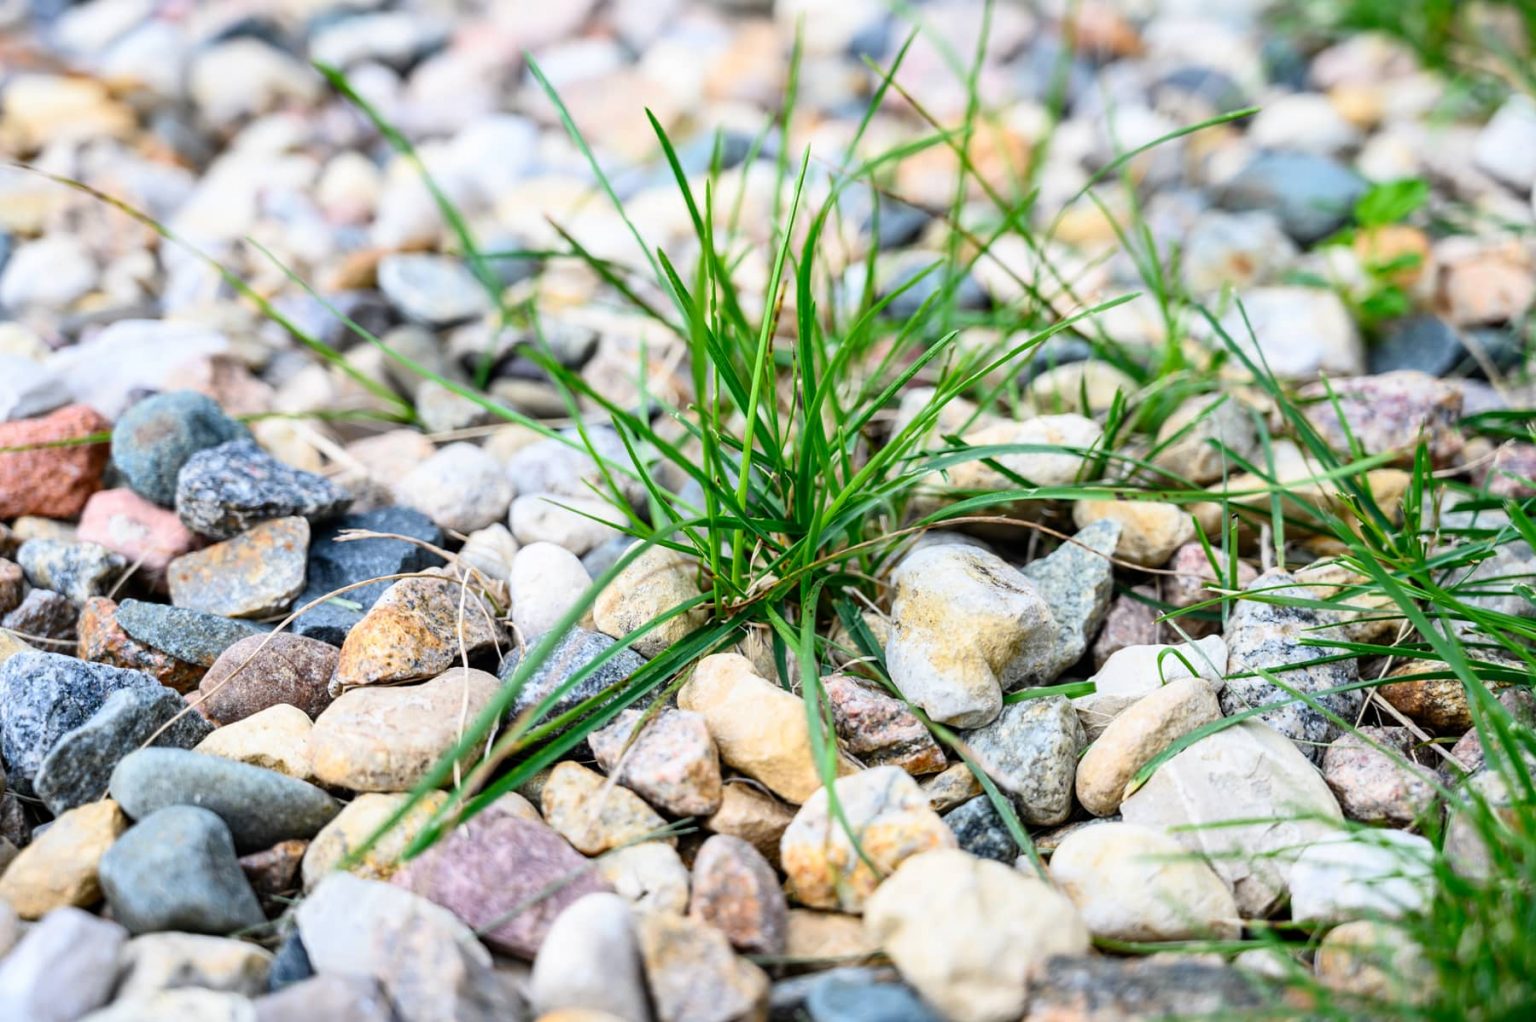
(61, 867)
(180, 1006)
(63, 968)
(1482, 282)
(10, 646)
(649, 875)
(168, 961)
(826, 936)
(507, 877)
(263, 671)
(325, 998)
(980, 830)
(1076, 581)
(256, 574)
(736, 891)
(1425, 343)
(45, 617)
(276, 738)
(13, 585)
(190, 636)
(654, 583)
(1506, 145)
(760, 729)
(102, 640)
(79, 767)
(360, 820)
(157, 436)
(226, 490)
(461, 487)
(672, 763)
(41, 476)
(593, 814)
(1312, 195)
(1366, 874)
(879, 730)
(1150, 530)
(491, 551)
(1375, 779)
(260, 807)
(966, 932)
(44, 697)
(1156, 986)
(274, 872)
(577, 649)
(1512, 471)
(431, 289)
(1137, 671)
(1136, 736)
(76, 570)
(1031, 751)
(1436, 703)
(889, 812)
(752, 815)
(693, 975)
(837, 997)
(428, 963)
(1376, 961)
(1134, 883)
(1200, 440)
(344, 564)
(1247, 772)
(1273, 637)
(1237, 249)
(1197, 582)
(565, 466)
(580, 524)
(944, 591)
(27, 387)
(415, 631)
(389, 738)
(547, 580)
(1297, 332)
(1387, 414)
(590, 961)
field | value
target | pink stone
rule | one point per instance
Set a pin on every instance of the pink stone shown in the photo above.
(126, 523)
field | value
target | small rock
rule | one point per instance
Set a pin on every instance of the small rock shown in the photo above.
(80, 765)
(573, 653)
(260, 807)
(1425, 343)
(1031, 751)
(580, 524)
(51, 481)
(102, 640)
(1312, 195)
(61, 867)
(1150, 531)
(1157, 986)
(1376, 874)
(358, 821)
(336, 564)
(672, 763)
(431, 289)
(1237, 249)
(166, 961)
(966, 932)
(44, 615)
(1131, 621)
(752, 815)
(491, 551)
(327, 998)
(76, 570)
(888, 811)
(388, 738)
(495, 872)
(416, 630)
(590, 961)
(276, 738)
(156, 437)
(1297, 332)
(63, 968)
(27, 387)
(693, 975)
(878, 729)
(1134, 883)
(1199, 441)
(1511, 471)
(1076, 581)
(190, 1003)
(826, 936)
(840, 998)
(188, 635)
(650, 875)
(1375, 961)
(1506, 145)
(265, 671)
(274, 873)
(736, 891)
(1135, 672)
(1196, 581)
(1373, 786)
(547, 580)
(593, 814)
(955, 785)
(226, 490)
(461, 487)
(657, 581)
(13, 586)
(1438, 703)
(1387, 414)
(1135, 737)
(980, 830)
(1482, 282)
(256, 574)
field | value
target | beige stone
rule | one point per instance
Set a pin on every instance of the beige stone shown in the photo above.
(276, 738)
(593, 813)
(655, 582)
(164, 961)
(829, 937)
(60, 867)
(1132, 739)
(358, 821)
(1150, 530)
(1134, 672)
(694, 975)
(752, 815)
(650, 875)
(10, 645)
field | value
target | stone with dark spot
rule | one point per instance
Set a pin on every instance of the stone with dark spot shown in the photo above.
(256, 574)
(265, 670)
(102, 640)
(51, 481)
(188, 635)
(419, 628)
(44, 615)
(76, 570)
(981, 831)
(576, 650)
(334, 564)
(156, 437)
(878, 729)
(225, 490)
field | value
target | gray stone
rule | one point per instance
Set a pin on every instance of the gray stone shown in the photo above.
(1506, 147)
(590, 961)
(1031, 751)
(64, 967)
(579, 648)
(461, 487)
(840, 998)
(222, 491)
(1312, 195)
(1426, 343)
(76, 570)
(176, 870)
(261, 807)
(1076, 580)
(330, 998)
(156, 437)
(189, 635)
(431, 289)
(27, 388)
(334, 564)
(43, 614)
(79, 767)
(981, 831)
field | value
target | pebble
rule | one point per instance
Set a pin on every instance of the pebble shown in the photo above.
(759, 728)
(672, 764)
(1150, 530)
(141, 533)
(1132, 621)
(416, 630)
(44, 615)
(27, 387)
(1031, 751)
(490, 551)
(590, 962)
(156, 437)
(360, 820)
(260, 807)
(1076, 581)
(1240, 249)
(1273, 637)
(51, 272)
(1197, 582)
(429, 964)
(1375, 786)
(46, 696)
(13, 584)
(1369, 874)
(1425, 343)
(1134, 883)
(692, 973)
(256, 574)
(336, 564)
(431, 289)
(752, 815)
(323, 998)
(61, 867)
(547, 580)
(1157, 986)
(879, 730)
(593, 814)
(580, 524)
(1202, 438)
(1437, 703)
(226, 490)
(1388, 414)
(944, 591)
(51, 481)
(1246, 772)
(461, 487)
(1374, 960)
(165, 961)
(1312, 195)
(840, 999)
(189, 1003)
(62, 969)
(736, 891)
(891, 815)
(572, 653)
(655, 583)
(966, 932)
(190, 636)
(1506, 145)
(79, 768)
(649, 875)
(1298, 332)
(274, 873)
(981, 831)
(1136, 736)
(495, 872)
(388, 738)
(102, 640)
(76, 570)
(262, 671)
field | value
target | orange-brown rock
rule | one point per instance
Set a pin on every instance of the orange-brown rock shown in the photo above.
(45, 469)
(102, 640)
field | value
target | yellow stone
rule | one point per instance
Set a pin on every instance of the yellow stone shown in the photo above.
(277, 738)
(59, 869)
(355, 824)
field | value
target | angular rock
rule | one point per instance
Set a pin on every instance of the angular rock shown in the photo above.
(1150, 530)
(63, 968)
(1196, 583)
(693, 975)
(274, 873)
(277, 739)
(229, 489)
(176, 870)
(431, 289)
(334, 564)
(1506, 145)
(355, 824)
(157, 436)
(980, 830)
(1375, 786)
(826, 935)
(592, 813)
(1390, 413)
(264, 671)
(416, 630)
(166, 961)
(575, 650)
(461, 487)
(1200, 440)
(590, 962)
(1135, 737)
(672, 763)
(1133, 673)
(656, 582)
(44, 616)
(1031, 751)
(62, 866)
(547, 580)
(188, 635)
(253, 575)
(40, 477)
(1085, 986)
(737, 892)
(650, 875)
(752, 815)
(1076, 581)
(102, 640)
(76, 570)
(878, 729)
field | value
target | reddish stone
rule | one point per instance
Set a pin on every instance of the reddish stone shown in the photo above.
(54, 482)
(1131, 621)
(672, 764)
(879, 729)
(13, 586)
(275, 871)
(506, 877)
(145, 534)
(1512, 471)
(263, 670)
(103, 641)
(736, 891)
(1188, 587)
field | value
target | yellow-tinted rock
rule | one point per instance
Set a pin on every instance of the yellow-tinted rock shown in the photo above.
(60, 867)
(757, 818)
(10, 646)
(1132, 739)
(655, 582)
(593, 813)
(826, 937)
(1150, 530)
(277, 738)
(355, 824)
(413, 632)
